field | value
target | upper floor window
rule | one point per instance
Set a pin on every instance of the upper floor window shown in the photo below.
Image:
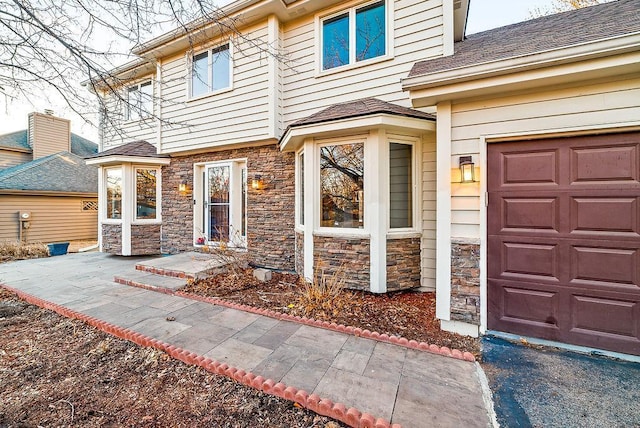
(211, 71)
(354, 35)
(139, 101)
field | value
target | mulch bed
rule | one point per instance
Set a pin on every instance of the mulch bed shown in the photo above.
(408, 314)
(56, 371)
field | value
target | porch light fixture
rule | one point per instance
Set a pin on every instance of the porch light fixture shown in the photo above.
(182, 187)
(467, 170)
(257, 183)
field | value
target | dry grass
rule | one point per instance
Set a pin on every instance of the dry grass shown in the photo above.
(326, 295)
(13, 250)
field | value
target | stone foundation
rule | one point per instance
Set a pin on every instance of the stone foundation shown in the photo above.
(403, 264)
(112, 239)
(145, 239)
(465, 281)
(300, 253)
(350, 256)
(270, 211)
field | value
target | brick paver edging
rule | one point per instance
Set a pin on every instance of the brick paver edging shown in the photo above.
(341, 328)
(352, 416)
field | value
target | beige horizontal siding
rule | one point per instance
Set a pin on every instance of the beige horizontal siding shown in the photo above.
(593, 106)
(418, 33)
(428, 244)
(50, 134)
(53, 218)
(9, 158)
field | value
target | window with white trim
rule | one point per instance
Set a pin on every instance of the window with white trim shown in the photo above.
(113, 184)
(354, 35)
(401, 186)
(211, 71)
(342, 185)
(146, 196)
(300, 181)
(139, 101)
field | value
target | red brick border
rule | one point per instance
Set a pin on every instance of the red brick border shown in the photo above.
(352, 416)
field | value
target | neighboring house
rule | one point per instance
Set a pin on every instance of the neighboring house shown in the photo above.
(371, 144)
(43, 174)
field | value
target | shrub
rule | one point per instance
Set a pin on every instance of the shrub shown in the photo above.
(14, 250)
(325, 296)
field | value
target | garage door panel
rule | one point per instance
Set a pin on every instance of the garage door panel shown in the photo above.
(604, 316)
(530, 213)
(606, 163)
(533, 167)
(605, 215)
(604, 267)
(529, 261)
(563, 233)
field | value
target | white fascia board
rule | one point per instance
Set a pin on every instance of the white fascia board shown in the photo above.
(546, 59)
(294, 137)
(118, 160)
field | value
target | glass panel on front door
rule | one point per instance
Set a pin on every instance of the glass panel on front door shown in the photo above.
(225, 215)
(218, 203)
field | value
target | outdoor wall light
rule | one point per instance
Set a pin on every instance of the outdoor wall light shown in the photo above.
(467, 170)
(182, 187)
(257, 183)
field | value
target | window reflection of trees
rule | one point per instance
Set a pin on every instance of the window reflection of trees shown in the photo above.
(146, 193)
(114, 194)
(342, 185)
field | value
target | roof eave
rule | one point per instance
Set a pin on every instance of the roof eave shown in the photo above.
(120, 159)
(294, 136)
(604, 48)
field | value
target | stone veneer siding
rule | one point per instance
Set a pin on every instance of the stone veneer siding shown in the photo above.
(270, 211)
(403, 264)
(350, 255)
(145, 239)
(112, 239)
(300, 253)
(465, 281)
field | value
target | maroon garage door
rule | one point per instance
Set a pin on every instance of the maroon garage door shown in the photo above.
(564, 240)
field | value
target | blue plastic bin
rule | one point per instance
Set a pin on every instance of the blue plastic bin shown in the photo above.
(58, 249)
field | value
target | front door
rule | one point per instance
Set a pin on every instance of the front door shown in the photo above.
(225, 219)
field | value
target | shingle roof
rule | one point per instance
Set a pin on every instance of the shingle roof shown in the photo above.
(61, 172)
(15, 140)
(137, 148)
(19, 140)
(565, 29)
(362, 107)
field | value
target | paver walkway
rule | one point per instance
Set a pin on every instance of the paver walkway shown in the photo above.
(408, 387)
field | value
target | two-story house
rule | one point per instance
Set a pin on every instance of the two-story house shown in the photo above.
(365, 135)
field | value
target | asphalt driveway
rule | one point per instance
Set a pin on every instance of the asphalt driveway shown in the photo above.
(546, 387)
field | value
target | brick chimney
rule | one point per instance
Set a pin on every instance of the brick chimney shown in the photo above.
(48, 134)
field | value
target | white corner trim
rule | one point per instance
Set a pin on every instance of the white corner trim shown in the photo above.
(483, 235)
(459, 327)
(443, 212)
(448, 30)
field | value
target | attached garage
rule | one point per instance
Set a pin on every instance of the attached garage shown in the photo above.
(563, 240)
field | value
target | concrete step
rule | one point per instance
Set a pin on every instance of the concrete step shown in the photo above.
(190, 265)
(150, 281)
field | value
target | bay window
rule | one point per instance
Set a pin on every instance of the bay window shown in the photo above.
(146, 193)
(113, 180)
(400, 185)
(342, 185)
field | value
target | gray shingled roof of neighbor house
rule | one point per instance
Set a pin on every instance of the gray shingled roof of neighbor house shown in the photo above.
(60, 172)
(19, 140)
(139, 148)
(565, 29)
(362, 107)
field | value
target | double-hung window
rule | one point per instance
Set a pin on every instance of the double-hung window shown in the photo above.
(355, 35)
(211, 71)
(139, 101)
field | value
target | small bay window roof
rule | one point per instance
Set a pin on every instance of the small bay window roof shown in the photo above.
(139, 152)
(354, 116)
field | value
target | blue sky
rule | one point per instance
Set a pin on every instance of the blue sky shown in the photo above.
(483, 15)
